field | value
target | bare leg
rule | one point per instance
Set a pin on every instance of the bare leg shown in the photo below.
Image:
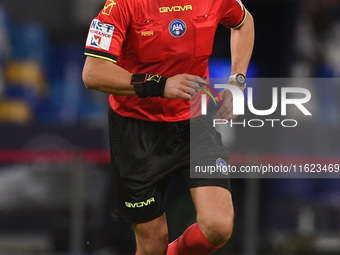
(152, 237)
(215, 213)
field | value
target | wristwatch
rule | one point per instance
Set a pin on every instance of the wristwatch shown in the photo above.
(239, 79)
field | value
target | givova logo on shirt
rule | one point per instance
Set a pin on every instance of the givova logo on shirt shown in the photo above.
(177, 28)
(100, 35)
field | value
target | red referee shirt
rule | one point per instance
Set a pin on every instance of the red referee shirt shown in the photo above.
(165, 37)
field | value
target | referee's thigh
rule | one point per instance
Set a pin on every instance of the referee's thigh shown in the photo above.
(152, 236)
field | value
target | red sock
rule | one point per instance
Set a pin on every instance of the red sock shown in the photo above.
(191, 242)
(172, 248)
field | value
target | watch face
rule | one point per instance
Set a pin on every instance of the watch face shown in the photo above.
(241, 79)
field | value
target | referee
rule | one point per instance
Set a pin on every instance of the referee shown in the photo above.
(150, 56)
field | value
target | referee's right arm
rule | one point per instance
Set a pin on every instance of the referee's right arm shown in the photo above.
(107, 77)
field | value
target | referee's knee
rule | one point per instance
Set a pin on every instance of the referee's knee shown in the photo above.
(153, 244)
(217, 230)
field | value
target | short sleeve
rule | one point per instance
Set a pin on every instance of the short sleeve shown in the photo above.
(108, 30)
(234, 13)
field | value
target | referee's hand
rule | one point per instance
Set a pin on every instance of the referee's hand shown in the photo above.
(182, 86)
(226, 110)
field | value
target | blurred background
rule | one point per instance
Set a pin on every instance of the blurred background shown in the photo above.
(54, 159)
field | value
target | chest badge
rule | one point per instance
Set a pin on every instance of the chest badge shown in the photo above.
(177, 28)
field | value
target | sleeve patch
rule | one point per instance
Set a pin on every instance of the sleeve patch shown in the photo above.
(100, 35)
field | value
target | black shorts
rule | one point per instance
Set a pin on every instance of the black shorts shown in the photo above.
(146, 155)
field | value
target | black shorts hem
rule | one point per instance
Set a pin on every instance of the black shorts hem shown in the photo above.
(222, 185)
(137, 221)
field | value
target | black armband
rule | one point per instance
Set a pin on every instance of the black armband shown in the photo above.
(148, 85)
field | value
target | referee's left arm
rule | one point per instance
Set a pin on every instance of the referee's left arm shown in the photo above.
(241, 45)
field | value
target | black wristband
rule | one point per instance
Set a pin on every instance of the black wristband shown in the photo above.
(149, 85)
